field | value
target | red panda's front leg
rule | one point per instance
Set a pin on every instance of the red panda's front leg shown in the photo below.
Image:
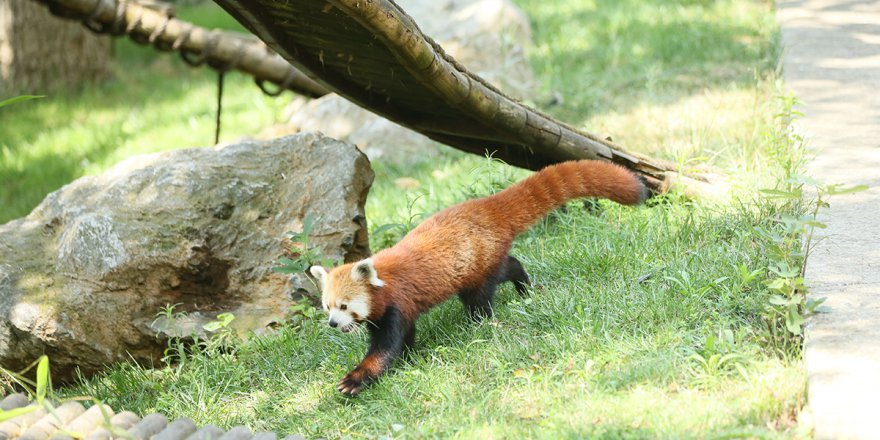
(388, 336)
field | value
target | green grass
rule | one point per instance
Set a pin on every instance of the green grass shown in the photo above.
(598, 349)
(643, 322)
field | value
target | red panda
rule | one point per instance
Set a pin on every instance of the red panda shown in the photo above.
(462, 250)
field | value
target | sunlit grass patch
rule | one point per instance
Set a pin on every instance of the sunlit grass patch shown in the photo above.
(642, 323)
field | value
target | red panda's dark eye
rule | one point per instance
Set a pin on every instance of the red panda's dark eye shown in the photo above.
(343, 307)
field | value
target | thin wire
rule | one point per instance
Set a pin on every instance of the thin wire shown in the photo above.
(220, 74)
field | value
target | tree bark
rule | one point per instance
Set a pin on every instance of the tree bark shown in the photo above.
(150, 23)
(40, 53)
(373, 54)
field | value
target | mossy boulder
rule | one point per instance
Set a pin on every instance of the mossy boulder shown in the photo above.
(83, 277)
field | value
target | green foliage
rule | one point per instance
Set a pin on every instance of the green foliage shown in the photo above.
(793, 206)
(42, 378)
(222, 322)
(614, 54)
(789, 243)
(388, 234)
(38, 387)
(222, 335)
(303, 254)
(12, 413)
(489, 176)
(213, 338)
(304, 311)
(717, 358)
(17, 99)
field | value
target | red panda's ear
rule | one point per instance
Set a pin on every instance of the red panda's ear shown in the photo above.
(365, 271)
(319, 273)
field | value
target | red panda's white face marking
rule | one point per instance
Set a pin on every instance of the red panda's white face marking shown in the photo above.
(345, 292)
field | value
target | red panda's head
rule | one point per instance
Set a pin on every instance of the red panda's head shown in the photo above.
(345, 292)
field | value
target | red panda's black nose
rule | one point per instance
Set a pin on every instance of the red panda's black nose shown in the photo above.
(333, 323)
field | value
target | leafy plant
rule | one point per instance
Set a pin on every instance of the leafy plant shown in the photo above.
(303, 311)
(175, 350)
(38, 387)
(222, 322)
(218, 336)
(302, 252)
(223, 336)
(690, 287)
(789, 244)
(489, 177)
(718, 357)
(386, 235)
(390, 233)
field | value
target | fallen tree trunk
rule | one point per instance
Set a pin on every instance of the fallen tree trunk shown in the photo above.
(373, 53)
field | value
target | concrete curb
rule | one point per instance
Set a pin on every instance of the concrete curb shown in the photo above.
(832, 63)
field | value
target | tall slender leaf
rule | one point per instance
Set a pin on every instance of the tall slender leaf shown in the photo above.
(42, 378)
(16, 99)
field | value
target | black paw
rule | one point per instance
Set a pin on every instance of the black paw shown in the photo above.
(351, 384)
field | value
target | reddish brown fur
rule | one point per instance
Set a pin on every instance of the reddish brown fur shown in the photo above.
(461, 246)
(460, 250)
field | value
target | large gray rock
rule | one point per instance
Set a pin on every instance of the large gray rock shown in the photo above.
(84, 275)
(488, 37)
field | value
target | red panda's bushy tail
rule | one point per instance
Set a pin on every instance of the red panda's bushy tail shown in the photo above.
(532, 198)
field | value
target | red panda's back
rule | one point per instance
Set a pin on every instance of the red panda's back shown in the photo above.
(455, 249)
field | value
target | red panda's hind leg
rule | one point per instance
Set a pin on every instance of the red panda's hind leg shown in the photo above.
(479, 301)
(409, 340)
(513, 271)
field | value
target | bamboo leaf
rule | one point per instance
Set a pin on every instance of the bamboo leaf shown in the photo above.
(42, 378)
(12, 413)
(286, 270)
(835, 190)
(17, 99)
(780, 194)
(778, 300)
(386, 227)
(794, 320)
